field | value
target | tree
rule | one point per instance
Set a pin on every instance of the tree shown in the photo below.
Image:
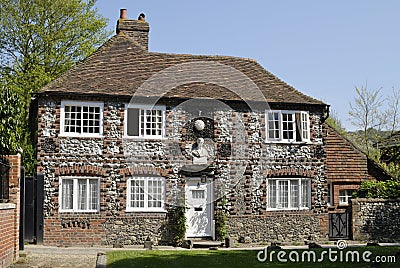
(392, 114)
(11, 122)
(365, 114)
(334, 122)
(40, 40)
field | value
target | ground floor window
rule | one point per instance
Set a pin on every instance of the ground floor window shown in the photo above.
(146, 194)
(288, 193)
(345, 196)
(79, 194)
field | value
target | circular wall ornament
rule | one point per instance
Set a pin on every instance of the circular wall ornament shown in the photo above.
(199, 125)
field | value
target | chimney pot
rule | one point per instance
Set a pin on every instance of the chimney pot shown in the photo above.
(123, 14)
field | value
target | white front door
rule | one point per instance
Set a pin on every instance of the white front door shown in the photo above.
(198, 208)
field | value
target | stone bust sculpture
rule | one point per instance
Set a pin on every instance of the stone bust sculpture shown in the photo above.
(200, 153)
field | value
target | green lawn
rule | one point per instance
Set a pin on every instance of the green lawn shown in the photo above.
(238, 258)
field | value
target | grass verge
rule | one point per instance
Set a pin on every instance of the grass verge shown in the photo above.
(248, 258)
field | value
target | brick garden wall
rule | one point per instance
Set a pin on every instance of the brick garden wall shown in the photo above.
(9, 216)
(376, 219)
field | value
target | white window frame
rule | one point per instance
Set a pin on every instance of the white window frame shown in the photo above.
(304, 127)
(144, 107)
(81, 103)
(346, 194)
(145, 208)
(301, 206)
(75, 194)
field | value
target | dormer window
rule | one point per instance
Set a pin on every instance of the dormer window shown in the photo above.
(145, 121)
(81, 119)
(287, 126)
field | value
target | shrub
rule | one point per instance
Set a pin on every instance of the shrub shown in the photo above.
(221, 225)
(379, 189)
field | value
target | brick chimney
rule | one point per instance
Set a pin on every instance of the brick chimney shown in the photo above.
(136, 29)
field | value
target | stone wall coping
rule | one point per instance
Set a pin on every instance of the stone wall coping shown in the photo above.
(374, 200)
(4, 206)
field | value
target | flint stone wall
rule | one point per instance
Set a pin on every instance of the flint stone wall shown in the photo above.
(376, 220)
(274, 228)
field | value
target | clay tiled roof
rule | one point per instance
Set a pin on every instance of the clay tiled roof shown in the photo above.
(121, 66)
(346, 163)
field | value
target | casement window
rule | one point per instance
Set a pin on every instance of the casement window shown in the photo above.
(329, 197)
(81, 118)
(345, 196)
(290, 193)
(287, 126)
(145, 122)
(146, 194)
(79, 194)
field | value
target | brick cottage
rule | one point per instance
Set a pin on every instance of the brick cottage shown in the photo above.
(128, 135)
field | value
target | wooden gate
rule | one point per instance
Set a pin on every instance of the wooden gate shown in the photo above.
(32, 208)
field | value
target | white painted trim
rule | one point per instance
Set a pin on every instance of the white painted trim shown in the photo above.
(81, 103)
(286, 141)
(308, 207)
(145, 209)
(145, 137)
(209, 185)
(75, 194)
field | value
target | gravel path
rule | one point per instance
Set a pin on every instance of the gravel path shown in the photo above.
(39, 256)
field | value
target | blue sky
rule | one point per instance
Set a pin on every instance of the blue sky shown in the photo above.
(322, 48)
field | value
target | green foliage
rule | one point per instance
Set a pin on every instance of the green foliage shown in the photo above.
(39, 40)
(179, 224)
(221, 220)
(379, 189)
(14, 136)
(365, 114)
(11, 122)
(244, 258)
(334, 122)
(221, 225)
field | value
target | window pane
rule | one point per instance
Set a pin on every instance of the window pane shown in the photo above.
(151, 122)
(93, 194)
(67, 194)
(305, 198)
(82, 194)
(294, 193)
(137, 193)
(272, 194)
(79, 118)
(273, 126)
(146, 193)
(288, 129)
(154, 193)
(283, 194)
(345, 196)
(198, 194)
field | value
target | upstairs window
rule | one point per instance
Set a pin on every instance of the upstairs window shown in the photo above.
(287, 126)
(288, 194)
(81, 118)
(145, 122)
